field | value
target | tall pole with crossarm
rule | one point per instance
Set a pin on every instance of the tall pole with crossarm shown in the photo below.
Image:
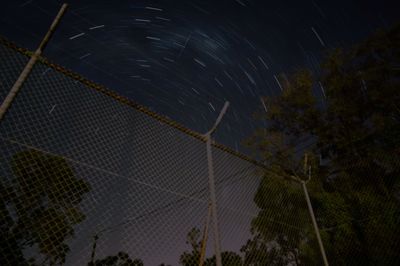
(28, 68)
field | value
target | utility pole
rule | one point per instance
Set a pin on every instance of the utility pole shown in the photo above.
(28, 68)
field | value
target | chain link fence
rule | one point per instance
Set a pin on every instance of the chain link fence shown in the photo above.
(89, 178)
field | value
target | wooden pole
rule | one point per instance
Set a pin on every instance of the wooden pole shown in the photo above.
(205, 237)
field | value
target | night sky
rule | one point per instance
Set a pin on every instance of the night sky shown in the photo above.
(183, 59)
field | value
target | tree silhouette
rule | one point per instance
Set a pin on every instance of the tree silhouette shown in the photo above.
(189, 258)
(121, 259)
(39, 207)
(228, 258)
(192, 258)
(353, 138)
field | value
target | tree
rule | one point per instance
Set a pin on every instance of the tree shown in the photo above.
(39, 207)
(362, 144)
(282, 230)
(228, 258)
(352, 140)
(192, 258)
(121, 259)
(10, 251)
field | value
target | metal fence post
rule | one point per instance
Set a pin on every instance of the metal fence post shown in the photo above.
(213, 200)
(316, 229)
(28, 68)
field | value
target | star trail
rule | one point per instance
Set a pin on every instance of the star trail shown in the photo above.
(184, 59)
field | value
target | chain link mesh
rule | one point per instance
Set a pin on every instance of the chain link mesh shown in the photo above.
(88, 180)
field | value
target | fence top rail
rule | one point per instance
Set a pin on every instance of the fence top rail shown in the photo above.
(123, 100)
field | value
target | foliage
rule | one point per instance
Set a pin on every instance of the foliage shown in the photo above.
(352, 139)
(228, 258)
(192, 258)
(40, 207)
(121, 259)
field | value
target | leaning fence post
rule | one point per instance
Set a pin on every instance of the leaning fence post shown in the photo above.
(211, 181)
(311, 211)
(28, 67)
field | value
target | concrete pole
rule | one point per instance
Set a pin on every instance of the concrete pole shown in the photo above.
(28, 68)
(213, 199)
